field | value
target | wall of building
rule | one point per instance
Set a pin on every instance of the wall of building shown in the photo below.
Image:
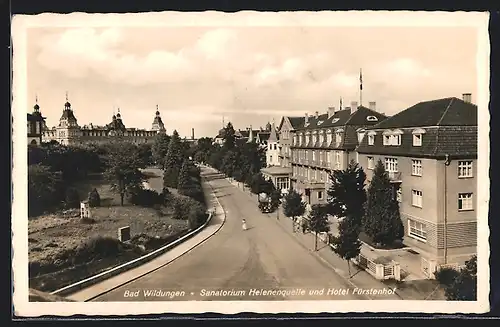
(461, 225)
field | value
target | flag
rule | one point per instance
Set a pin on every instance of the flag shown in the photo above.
(360, 80)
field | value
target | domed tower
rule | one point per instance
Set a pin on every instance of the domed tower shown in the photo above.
(68, 129)
(116, 127)
(158, 125)
(36, 125)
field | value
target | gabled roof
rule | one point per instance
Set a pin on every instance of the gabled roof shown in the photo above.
(440, 112)
(449, 126)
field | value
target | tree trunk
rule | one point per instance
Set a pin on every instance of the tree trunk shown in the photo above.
(315, 241)
(121, 198)
(349, 267)
(293, 224)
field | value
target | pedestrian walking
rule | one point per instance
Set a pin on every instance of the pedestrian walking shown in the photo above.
(244, 224)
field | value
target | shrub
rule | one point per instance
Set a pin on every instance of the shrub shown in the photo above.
(145, 198)
(94, 198)
(181, 207)
(97, 248)
(446, 276)
(196, 216)
(72, 198)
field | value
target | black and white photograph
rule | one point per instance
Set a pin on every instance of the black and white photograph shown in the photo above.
(250, 162)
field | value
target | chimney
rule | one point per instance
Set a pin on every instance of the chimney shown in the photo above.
(354, 106)
(331, 111)
(467, 97)
(372, 105)
(192, 133)
(306, 118)
(317, 114)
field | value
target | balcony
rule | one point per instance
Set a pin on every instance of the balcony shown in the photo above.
(394, 176)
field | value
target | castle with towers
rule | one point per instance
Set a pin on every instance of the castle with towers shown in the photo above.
(68, 132)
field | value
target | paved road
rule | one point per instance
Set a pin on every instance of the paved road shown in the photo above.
(240, 263)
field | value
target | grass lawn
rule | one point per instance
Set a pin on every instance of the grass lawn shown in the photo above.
(52, 235)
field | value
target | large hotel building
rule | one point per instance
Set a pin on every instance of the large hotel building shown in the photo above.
(429, 151)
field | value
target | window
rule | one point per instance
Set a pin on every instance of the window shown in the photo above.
(338, 138)
(465, 201)
(391, 165)
(320, 195)
(416, 198)
(337, 161)
(371, 118)
(399, 195)
(270, 158)
(307, 139)
(417, 230)
(371, 139)
(464, 169)
(371, 163)
(314, 156)
(270, 146)
(387, 139)
(329, 137)
(396, 139)
(417, 139)
(416, 167)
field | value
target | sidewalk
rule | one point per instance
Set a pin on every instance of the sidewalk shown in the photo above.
(359, 278)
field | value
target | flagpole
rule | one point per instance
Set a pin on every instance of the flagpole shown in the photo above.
(360, 87)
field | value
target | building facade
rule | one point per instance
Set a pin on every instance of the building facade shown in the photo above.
(68, 132)
(36, 122)
(273, 149)
(326, 142)
(430, 152)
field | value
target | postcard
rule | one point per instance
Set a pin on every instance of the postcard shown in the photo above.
(285, 162)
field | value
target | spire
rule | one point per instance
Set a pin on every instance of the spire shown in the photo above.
(157, 111)
(273, 137)
(250, 135)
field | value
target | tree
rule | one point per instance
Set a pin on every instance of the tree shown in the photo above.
(347, 245)
(145, 154)
(123, 169)
(229, 163)
(275, 200)
(318, 222)
(229, 138)
(94, 198)
(45, 189)
(460, 285)
(173, 161)
(293, 206)
(382, 222)
(347, 195)
(159, 148)
(72, 199)
(258, 184)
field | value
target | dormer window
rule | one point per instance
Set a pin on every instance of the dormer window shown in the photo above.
(295, 140)
(320, 122)
(417, 136)
(324, 137)
(371, 118)
(361, 134)
(329, 137)
(371, 137)
(334, 120)
(387, 139)
(338, 137)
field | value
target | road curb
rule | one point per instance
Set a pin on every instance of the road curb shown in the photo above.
(141, 260)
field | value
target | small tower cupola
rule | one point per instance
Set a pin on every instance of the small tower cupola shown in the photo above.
(157, 113)
(67, 105)
(118, 115)
(36, 107)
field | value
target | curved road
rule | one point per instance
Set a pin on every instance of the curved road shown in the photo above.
(265, 257)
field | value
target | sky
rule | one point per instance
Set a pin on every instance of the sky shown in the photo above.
(202, 76)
